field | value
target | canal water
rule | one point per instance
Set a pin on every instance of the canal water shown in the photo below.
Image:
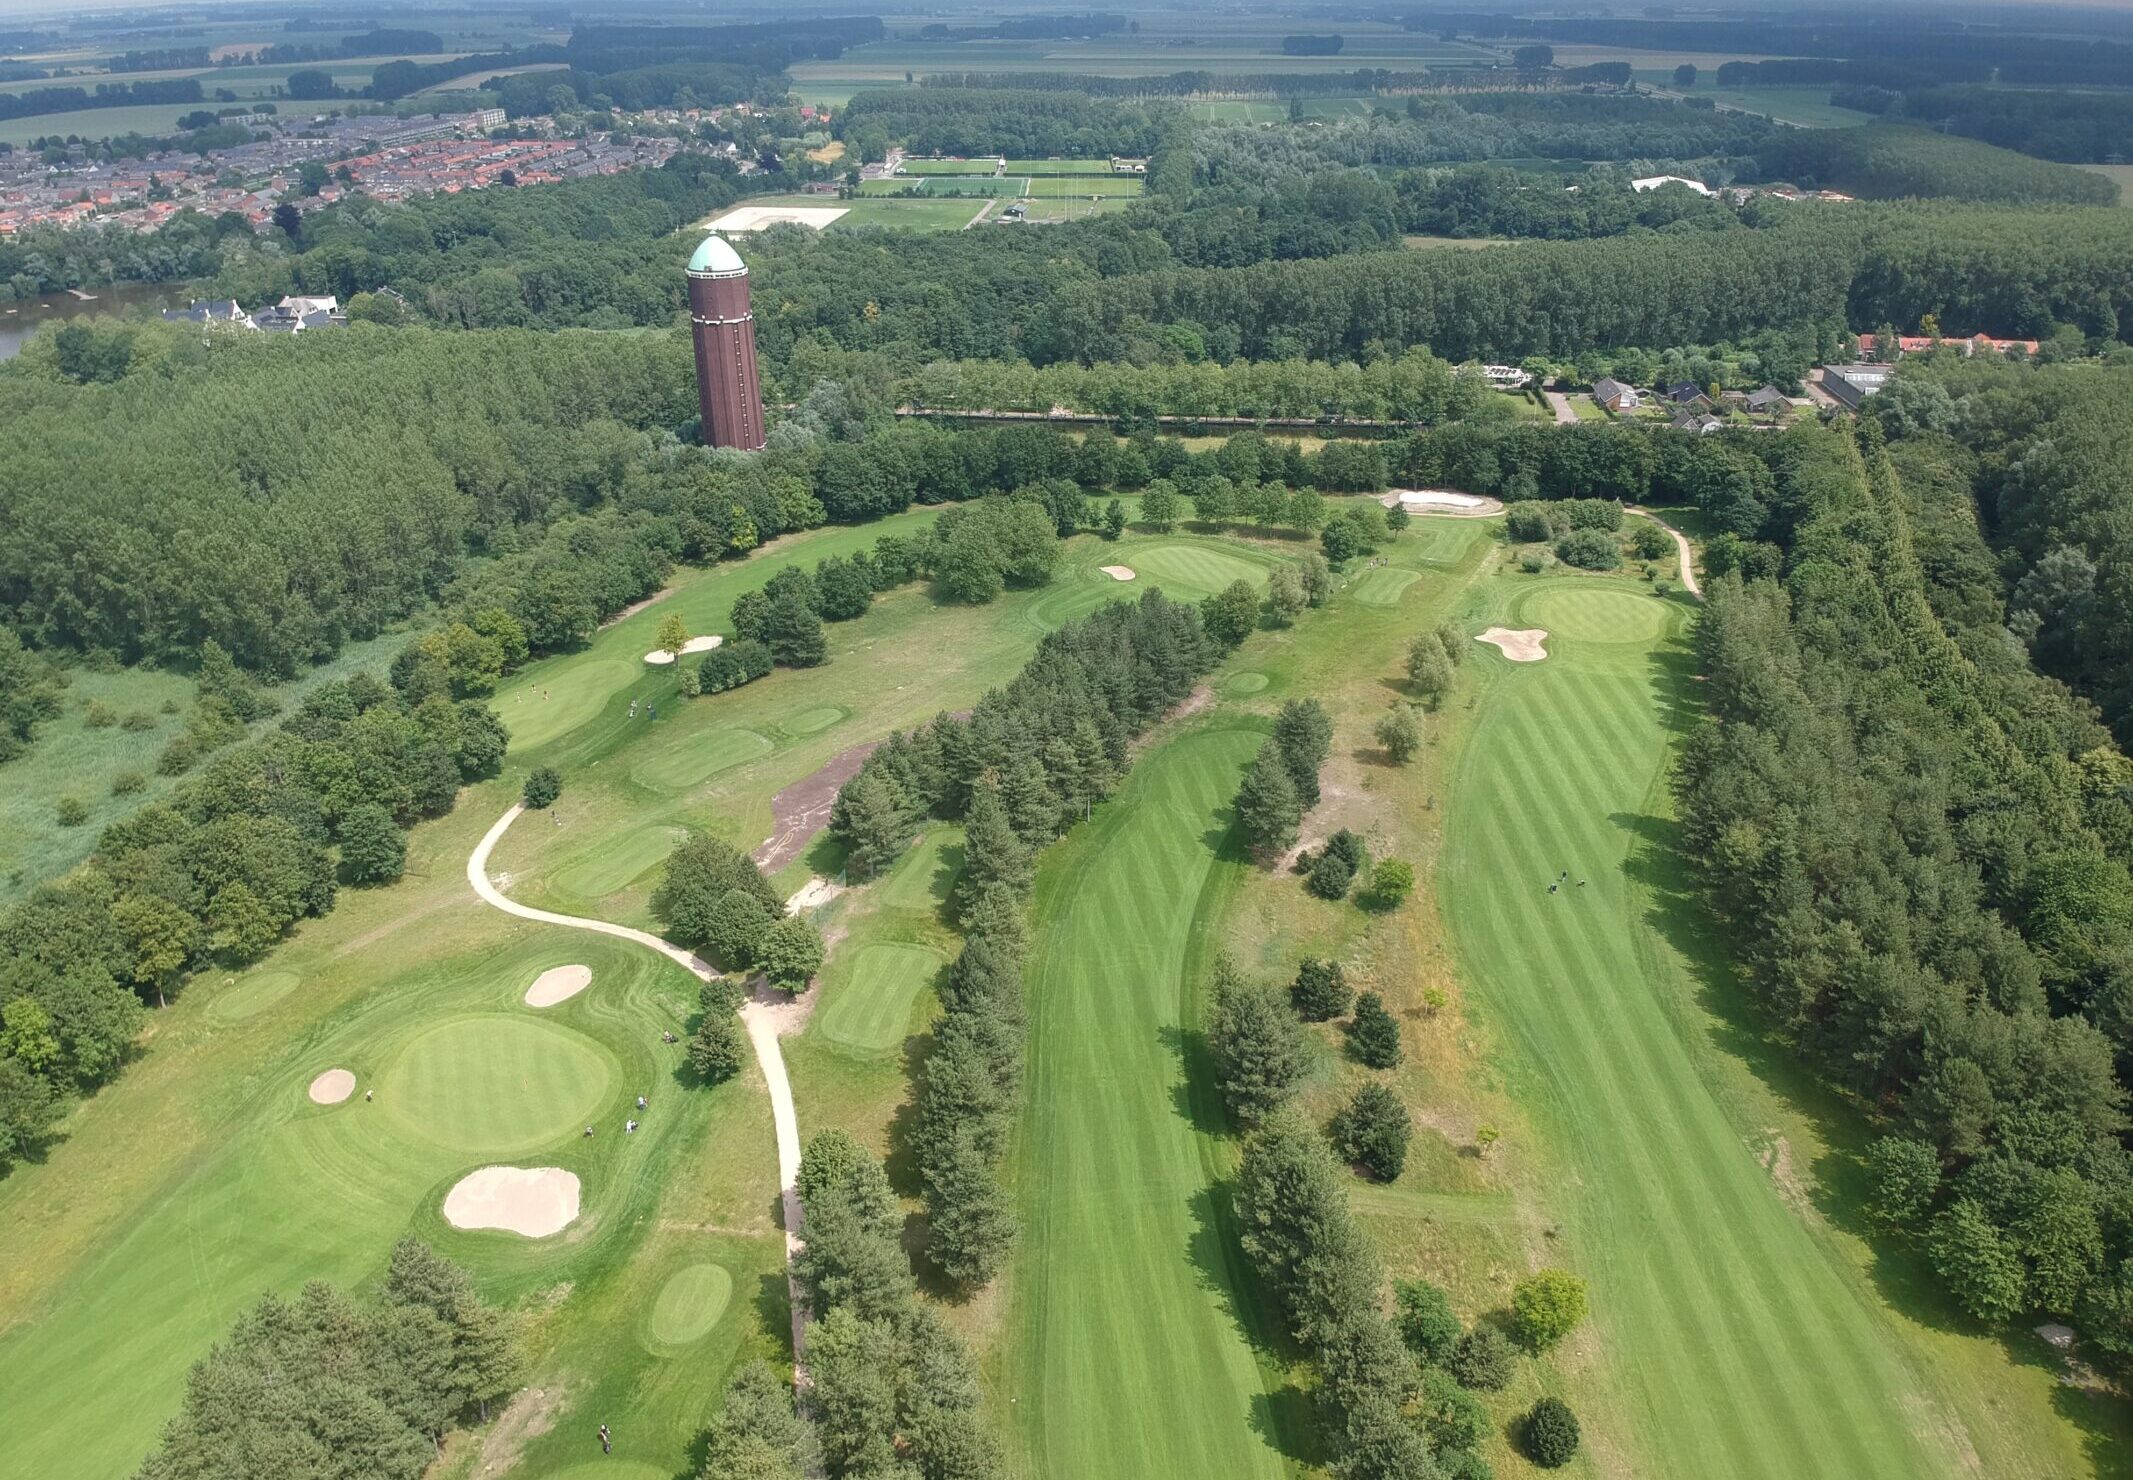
(22, 317)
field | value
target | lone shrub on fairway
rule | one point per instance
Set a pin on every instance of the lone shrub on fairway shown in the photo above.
(1390, 884)
(1372, 1131)
(1257, 1047)
(790, 953)
(673, 634)
(1373, 1036)
(71, 811)
(715, 1048)
(688, 682)
(1651, 541)
(1549, 1434)
(373, 849)
(1483, 1360)
(1320, 990)
(1545, 1307)
(543, 786)
(1906, 1175)
(1429, 670)
(1423, 1314)
(1400, 732)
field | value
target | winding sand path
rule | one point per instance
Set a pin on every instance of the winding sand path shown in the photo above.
(765, 1018)
(1681, 543)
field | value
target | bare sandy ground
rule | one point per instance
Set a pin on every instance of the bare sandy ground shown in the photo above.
(755, 218)
(803, 809)
(816, 891)
(558, 984)
(1519, 647)
(332, 1087)
(1117, 572)
(534, 1201)
(693, 645)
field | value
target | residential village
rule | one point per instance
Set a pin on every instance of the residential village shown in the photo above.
(387, 158)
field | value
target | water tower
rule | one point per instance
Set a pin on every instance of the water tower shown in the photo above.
(724, 329)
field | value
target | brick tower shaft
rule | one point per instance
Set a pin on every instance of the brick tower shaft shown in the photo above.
(727, 385)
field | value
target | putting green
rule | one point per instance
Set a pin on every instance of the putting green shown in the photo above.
(1123, 1343)
(689, 1304)
(1382, 587)
(1065, 600)
(813, 721)
(1731, 1340)
(1592, 612)
(616, 863)
(538, 712)
(1192, 571)
(252, 996)
(494, 1085)
(869, 1007)
(1243, 683)
(700, 756)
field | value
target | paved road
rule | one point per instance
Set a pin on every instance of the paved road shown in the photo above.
(765, 1017)
(1681, 543)
(1560, 405)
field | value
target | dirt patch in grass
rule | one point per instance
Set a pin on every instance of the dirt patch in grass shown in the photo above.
(803, 809)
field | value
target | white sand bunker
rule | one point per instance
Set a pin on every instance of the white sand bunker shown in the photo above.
(755, 218)
(558, 984)
(693, 645)
(1519, 647)
(1117, 572)
(534, 1201)
(332, 1087)
(1443, 501)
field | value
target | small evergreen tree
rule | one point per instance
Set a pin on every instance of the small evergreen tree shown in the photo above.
(1320, 990)
(1330, 876)
(1304, 732)
(1423, 1313)
(1483, 1360)
(1257, 1046)
(1114, 519)
(1373, 1036)
(1549, 1434)
(1268, 811)
(993, 852)
(1372, 1131)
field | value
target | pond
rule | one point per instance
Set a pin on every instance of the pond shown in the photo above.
(22, 317)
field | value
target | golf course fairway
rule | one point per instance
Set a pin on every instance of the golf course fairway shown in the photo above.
(1125, 1349)
(1736, 1342)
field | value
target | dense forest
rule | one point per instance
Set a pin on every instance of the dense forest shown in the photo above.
(2046, 452)
(2073, 127)
(1919, 849)
(1893, 161)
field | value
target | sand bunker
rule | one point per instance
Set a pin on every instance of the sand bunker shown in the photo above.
(1444, 501)
(755, 218)
(693, 645)
(1117, 572)
(558, 984)
(332, 1087)
(534, 1201)
(1519, 647)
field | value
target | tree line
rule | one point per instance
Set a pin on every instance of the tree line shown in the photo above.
(1888, 161)
(327, 1385)
(1918, 848)
(1019, 123)
(104, 95)
(2068, 126)
(892, 1387)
